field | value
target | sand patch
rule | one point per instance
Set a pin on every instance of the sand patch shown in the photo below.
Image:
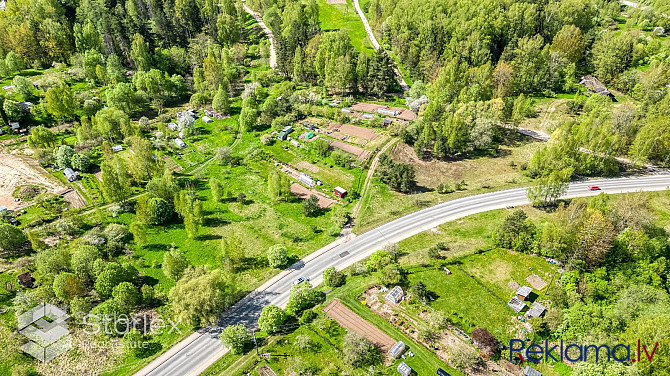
(16, 171)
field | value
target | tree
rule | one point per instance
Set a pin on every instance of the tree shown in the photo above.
(333, 278)
(595, 238)
(64, 156)
(157, 211)
(310, 207)
(302, 296)
(398, 176)
(11, 237)
(142, 162)
(271, 319)
(221, 102)
(139, 231)
(237, 337)
(517, 232)
(174, 264)
(112, 275)
(66, 286)
(391, 274)
(190, 209)
(113, 124)
(80, 162)
(83, 258)
(277, 255)
(139, 52)
(23, 86)
(359, 351)
(13, 110)
(249, 114)
(115, 180)
(418, 291)
(14, 62)
(217, 189)
(278, 186)
(41, 137)
(126, 295)
(199, 301)
(59, 102)
(133, 343)
(485, 341)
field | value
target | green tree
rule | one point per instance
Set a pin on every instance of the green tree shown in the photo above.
(66, 286)
(302, 296)
(134, 344)
(333, 278)
(277, 256)
(237, 337)
(217, 189)
(64, 156)
(59, 102)
(80, 162)
(139, 52)
(139, 231)
(13, 110)
(271, 319)
(41, 137)
(310, 207)
(418, 291)
(190, 209)
(200, 300)
(157, 211)
(359, 351)
(115, 180)
(221, 102)
(83, 258)
(174, 264)
(23, 86)
(126, 295)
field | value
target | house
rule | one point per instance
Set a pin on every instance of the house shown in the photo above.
(530, 371)
(340, 192)
(70, 174)
(397, 350)
(346, 110)
(369, 116)
(595, 86)
(283, 135)
(516, 304)
(179, 142)
(8, 87)
(396, 295)
(404, 369)
(387, 112)
(523, 292)
(387, 122)
(15, 125)
(306, 180)
(207, 119)
(309, 135)
(536, 310)
(26, 280)
(173, 126)
(295, 143)
(117, 148)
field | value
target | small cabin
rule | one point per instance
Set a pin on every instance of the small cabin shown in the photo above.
(340, 192)
(536, 310)
(396, 295)
(523, 292)
(516, 304)
(26, 280)
(180, 143)
(117, 148)
(70, 174)
(207, 119)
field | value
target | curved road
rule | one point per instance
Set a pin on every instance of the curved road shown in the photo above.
(193, 355)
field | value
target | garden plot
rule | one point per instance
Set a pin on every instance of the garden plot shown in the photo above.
(360, 154)
(351, 321)
(304, 193)
(16, 171)
(353, 130)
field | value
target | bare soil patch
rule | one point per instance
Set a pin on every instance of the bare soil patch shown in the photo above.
(536, 281)
(15, 171)
(351, 321)
(360, 154)
(354, 130)
(402, 113)
(304, 193)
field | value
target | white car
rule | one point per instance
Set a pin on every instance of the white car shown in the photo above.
(300, 280)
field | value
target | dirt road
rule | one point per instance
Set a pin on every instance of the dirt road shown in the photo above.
(268, 32)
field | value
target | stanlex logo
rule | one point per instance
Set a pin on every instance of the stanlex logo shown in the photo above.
(46, 328)
(579, 353)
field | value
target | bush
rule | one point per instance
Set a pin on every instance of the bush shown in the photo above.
(80, 162)
(359, 351)
(307, 316)
(271, 319)
(174, 264)
(158, 211)
(236, 337)
(444, 189)
(310, 207)
(277, 255)
(302, 296)
(333, 278)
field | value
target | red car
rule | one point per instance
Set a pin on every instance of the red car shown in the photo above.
(594, 188)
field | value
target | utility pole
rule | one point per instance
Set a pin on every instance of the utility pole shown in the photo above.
(256, 343)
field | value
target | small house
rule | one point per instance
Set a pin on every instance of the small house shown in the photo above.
(295, 143)
(404, 369)
(516, 304)
(117, 148)
(26, 280)
(523, 292)
(346, 110)
(309, 135)
(369, 116)
(173, 126)
(387, 112)
(596, 87)
(207, 119)
(340, 192)
(536, 310)
(396, 295)
(530, 371)
(387, 122)
(282, 136)
(180, 143)
(397, 350)
(70, 174)
(15, 125)
(306, 180)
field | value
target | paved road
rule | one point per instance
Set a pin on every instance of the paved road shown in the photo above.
(195, 354)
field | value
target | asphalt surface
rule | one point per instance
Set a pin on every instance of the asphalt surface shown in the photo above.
(199, 351)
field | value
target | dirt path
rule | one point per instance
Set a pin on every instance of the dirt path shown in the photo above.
(370, 174)
(268, 32)
(376, 45)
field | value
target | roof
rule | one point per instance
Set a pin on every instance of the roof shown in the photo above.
(207, 119)
(397, 349)
(25, 278)
(117, 148)
(395, 295)
(524, 291)
(594, 85)
(530, 371)
(14, 124)
(340, 189)
(516, 304)
(180, 142)
(69, 172)
(404, 369)
(173, 126)
(536, 310)
(309, 135)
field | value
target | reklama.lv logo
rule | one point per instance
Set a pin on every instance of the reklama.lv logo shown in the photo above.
(578, 353)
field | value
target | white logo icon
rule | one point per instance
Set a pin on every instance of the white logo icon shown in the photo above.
(45, 326)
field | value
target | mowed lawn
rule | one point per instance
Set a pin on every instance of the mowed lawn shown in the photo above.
(335, 17)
